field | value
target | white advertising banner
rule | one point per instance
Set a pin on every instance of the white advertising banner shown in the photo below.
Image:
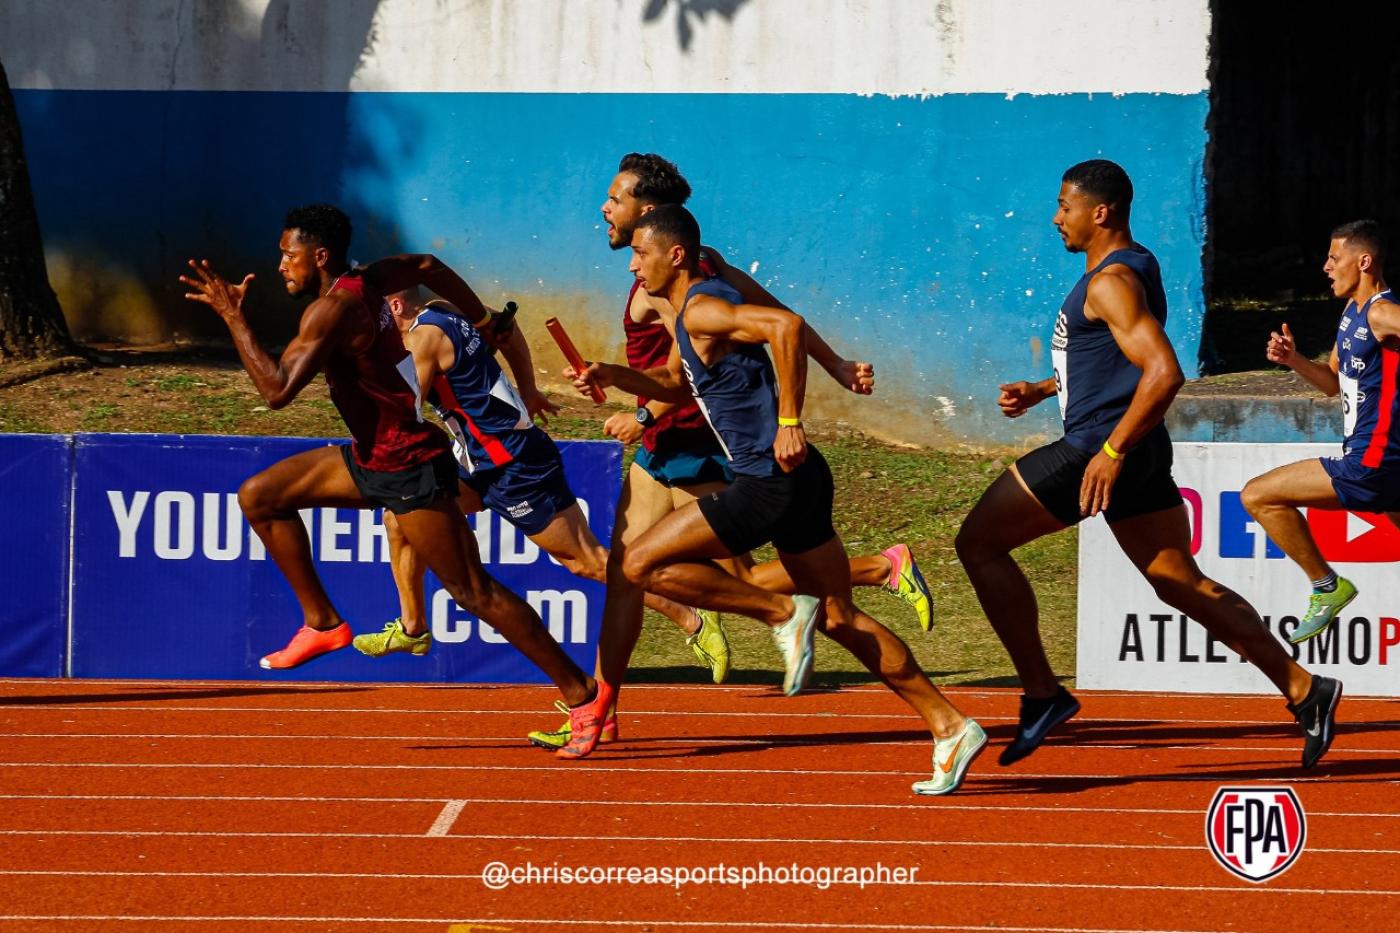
(1130, 640)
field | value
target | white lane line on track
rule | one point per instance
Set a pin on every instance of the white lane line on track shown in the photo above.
(278, 687)
(599, 768)
(785, 741)
(450, 811)
(727, 840)
(1146, 725)
(998, 883)
(340, 686)
(486, 922)
(575, 801)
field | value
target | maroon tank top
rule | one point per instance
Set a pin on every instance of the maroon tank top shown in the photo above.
(649, 346)
(375, 392)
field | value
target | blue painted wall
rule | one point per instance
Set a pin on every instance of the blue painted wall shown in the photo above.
(913, 232)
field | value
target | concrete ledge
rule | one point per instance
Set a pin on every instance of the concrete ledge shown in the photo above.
(1255, 419)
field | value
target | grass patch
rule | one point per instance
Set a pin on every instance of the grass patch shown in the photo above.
(15, 421)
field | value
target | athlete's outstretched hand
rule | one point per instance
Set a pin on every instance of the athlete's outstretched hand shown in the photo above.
(537, 405)
(1017, 398)
(856, 376)
(1097, 487)
(1282, 349)
(624, 426)
(214, 290)
(790, 447)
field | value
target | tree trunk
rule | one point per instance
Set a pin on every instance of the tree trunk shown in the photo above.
(31, 321)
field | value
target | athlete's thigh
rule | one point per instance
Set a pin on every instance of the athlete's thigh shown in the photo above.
(684, 495)
(1007, 516)
(1304, 483)
(311, 479)
(684, 534)
(1158, 543)
(439, 533)
(739, 565)
(567, 535)
(643, 503)
(468, 499)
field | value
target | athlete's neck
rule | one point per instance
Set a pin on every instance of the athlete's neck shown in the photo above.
(680, 287)
(1106, 241)
(1367, 287)
(329, 274)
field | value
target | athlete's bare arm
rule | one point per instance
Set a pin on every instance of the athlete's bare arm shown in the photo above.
(1017, 398)
(1385, 321)
(713, 324)
(1116, 297)
(516, 351)
(858, 377)
(1283, 351)
(327, 322)
(667, 383)
(433, 353)
(396, 273)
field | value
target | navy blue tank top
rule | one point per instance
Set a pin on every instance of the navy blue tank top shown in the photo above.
(1093, 379)
(738, 393)
(1368, 374)
(482, 410)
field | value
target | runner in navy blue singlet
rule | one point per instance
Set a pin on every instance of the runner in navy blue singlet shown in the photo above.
(396, 461)
(1364, 369)
(680, 458)
(504, 462)
(1115, 374)
(782, 491)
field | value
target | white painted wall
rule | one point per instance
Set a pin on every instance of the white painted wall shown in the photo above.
(896, 47)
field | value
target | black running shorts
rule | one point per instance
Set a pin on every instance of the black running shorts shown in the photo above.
(407, 490)
(792, 510)
(1055, 473)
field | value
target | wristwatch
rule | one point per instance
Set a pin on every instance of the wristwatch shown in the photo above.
(644, 416)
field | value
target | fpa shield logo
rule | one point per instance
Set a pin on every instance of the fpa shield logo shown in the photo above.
(1256, 832)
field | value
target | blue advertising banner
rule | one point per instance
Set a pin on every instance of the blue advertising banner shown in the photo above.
(35, 471)
(170, 581)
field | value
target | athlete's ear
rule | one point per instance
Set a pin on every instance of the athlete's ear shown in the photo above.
(1364, 262)
(648, 208)
(322, 256)
(677, 252)
(1101, 214)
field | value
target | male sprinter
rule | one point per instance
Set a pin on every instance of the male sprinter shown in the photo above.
(680, 458)
(782, 492)
(504, 463)
(1365, 369)
(1115, 374)
(395, 460)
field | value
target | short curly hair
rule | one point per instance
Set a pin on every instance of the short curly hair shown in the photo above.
(324, 223)
(1104, 180)
(658, 179)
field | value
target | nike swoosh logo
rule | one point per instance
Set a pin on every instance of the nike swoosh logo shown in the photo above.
(1041, 724)
(948, 765)
(1315, 730)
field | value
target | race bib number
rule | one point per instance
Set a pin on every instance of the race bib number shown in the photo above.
(1060, 359)
(1351, 400)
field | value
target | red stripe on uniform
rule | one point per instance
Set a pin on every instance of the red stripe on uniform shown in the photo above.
(1380, 437)
(494, 448)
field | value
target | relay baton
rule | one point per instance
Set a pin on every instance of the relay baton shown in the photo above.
(571, 354)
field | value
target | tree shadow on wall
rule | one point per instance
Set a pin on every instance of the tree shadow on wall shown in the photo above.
(689, 11)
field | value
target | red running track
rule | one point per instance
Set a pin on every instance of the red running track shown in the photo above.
(240, 806)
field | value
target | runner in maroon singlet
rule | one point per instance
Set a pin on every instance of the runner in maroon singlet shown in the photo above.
(395, 459)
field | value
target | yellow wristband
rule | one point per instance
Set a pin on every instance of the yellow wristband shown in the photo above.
(789, 422)
(1112, 454)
